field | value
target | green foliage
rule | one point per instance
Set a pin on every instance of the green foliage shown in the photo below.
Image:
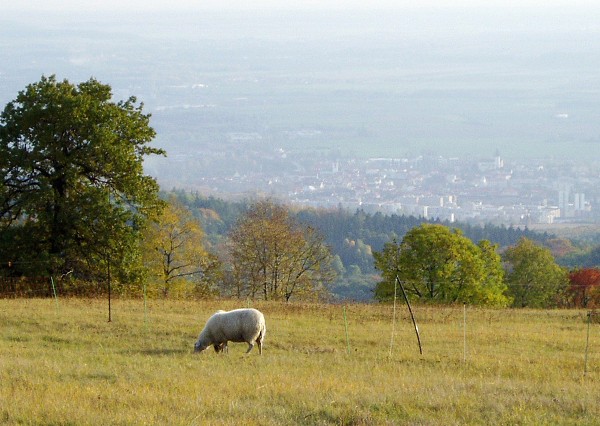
(354, 285)
(435, 263)
(353, 237)
(582, 256)
(594, 257)
(72, 189)
(533, 278)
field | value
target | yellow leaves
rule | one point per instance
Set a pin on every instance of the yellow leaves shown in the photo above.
(173, 248)
(277, 258)
(209, 214)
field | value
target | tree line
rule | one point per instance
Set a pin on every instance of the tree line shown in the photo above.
(76, 207)
(437, 262)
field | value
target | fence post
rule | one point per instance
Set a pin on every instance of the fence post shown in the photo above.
(145, 305)
(393, 317)
(411, 315)
(347, 337)
(464, 332)
(54, 292)
(587, 343)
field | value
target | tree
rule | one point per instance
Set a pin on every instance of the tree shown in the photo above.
(594, 257)
(534, 279)
(436, 263)
(354, 285)
(275, 258)
(73, 192)
(174, 251)
(584, 288)
(495, 289)
(560, 247)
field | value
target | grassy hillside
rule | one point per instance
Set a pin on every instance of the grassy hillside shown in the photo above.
(65, 364)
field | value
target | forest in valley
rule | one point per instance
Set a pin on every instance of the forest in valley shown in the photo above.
(353, 237)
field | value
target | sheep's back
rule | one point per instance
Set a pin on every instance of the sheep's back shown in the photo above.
(239, 325)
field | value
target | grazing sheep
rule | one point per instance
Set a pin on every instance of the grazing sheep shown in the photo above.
(239, 325)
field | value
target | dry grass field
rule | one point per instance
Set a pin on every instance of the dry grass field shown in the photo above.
(64, 364)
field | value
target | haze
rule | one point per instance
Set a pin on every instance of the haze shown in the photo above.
(388, 79)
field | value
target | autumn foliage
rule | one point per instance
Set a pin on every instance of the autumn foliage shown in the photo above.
(584, 288)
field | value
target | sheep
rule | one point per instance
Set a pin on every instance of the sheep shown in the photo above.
(239, 325)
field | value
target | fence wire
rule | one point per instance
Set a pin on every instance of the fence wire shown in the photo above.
(16, 287)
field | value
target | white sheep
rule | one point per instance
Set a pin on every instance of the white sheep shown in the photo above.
(239, 325)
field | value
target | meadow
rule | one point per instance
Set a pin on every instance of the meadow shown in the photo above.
(63, 363)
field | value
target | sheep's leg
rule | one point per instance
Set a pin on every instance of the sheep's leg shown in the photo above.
(221, 347)
(250, 346)
(259, 342)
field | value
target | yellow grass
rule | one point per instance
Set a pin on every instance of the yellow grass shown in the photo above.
(66, 364)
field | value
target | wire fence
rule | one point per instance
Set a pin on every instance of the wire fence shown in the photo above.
(16, 287)
(42, 287)
(455, 330)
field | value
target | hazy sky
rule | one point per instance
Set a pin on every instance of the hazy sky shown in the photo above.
(481, 73)
(67, 5)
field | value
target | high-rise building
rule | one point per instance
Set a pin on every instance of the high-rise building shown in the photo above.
(579, 201)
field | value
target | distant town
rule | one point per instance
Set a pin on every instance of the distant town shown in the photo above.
(485, 190)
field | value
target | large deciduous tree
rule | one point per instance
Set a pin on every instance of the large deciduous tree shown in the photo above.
(275, 258)
(73, 193)
(435, 263)
(533, 277)
(174, 252)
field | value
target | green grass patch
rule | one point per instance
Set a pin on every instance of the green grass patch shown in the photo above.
(69, 365)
